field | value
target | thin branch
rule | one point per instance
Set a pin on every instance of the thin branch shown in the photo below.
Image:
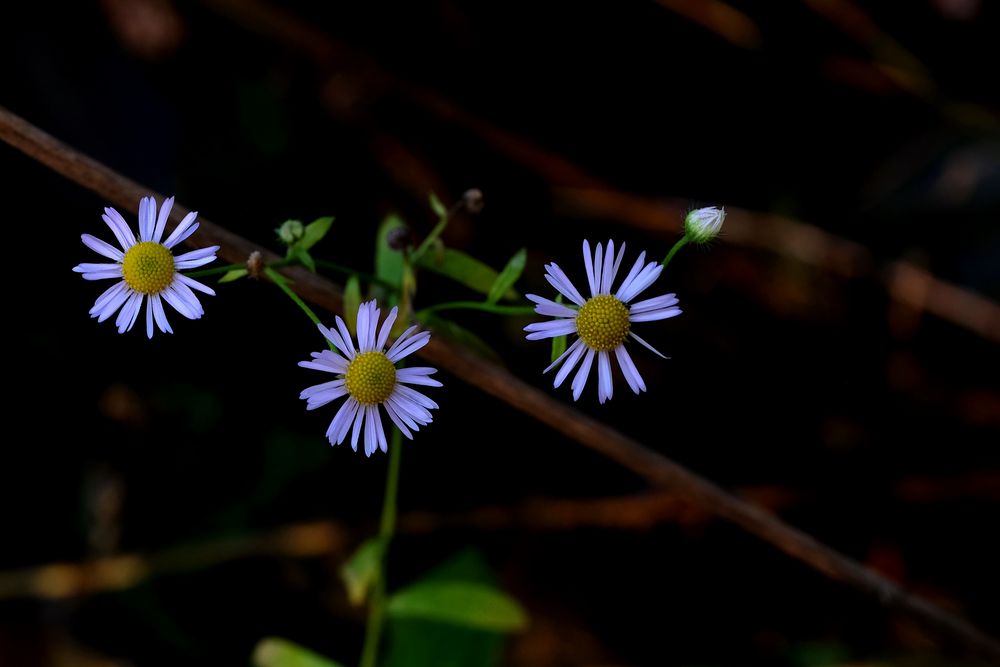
(498, 382)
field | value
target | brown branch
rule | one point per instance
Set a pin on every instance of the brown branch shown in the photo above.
(654, 467)
(584, 194)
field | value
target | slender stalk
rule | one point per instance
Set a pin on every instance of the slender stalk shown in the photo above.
(387, 528)
(214, 271)
(280, 281)
(435, 233)
(477, 305)
(673, 251)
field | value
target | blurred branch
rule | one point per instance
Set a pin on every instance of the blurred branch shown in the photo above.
(720, 18)
(331, 538)
(657, 469)
(583, 194)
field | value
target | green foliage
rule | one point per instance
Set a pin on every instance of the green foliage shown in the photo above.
(361, 571)
(417, 639)
(300, 239)
(440, 210)
(465, 603)
(232, 275)
(389, 262)
(276, 652)
(464, 269)
(459, 334)
(508, 276)
(352, 300)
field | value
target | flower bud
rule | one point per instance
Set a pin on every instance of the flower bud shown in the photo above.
(473, 200)
(291, 231)
(703, 224)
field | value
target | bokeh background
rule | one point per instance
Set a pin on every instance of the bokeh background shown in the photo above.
(836, 362)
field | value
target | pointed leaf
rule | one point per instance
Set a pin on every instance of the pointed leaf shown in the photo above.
(558, 347)
(315, 231)
(508, 276)
(360, 572)
(464, 269)
(463, 603)
(230, 276)
(440, 210)
(388, 262)
(352, 300)
(276, 652)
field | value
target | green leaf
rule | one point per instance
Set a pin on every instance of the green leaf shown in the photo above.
(315, 231)
(418, 643)
(352, 300)
(440, 210)
(464, 603)
(464, 269)
(460, 334)
(230, 276)
(276, 652)
(388, 262)
(302, 255)
(558, 347)
(361, 570)
(508, 276)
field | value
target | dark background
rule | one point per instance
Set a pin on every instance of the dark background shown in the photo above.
(868, 422)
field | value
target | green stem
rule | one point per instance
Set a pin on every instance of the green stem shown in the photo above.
(435, 233)
(477, 305)
(215, 270)
(387, 528)
(282, 283)
(673, 251)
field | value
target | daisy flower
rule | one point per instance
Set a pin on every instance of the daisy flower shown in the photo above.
(146, 269)
(603, 322)
(369, 378)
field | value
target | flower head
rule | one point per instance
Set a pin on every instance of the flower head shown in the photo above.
(369, 378)
(602, 323)
(703, 224)
(146, 269)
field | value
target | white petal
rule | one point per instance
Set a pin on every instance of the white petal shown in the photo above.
(97, 268)
(558, 279)
(636, 268)
(149, 318)
(358, 423)
(605, 385)
(373, 315)
(380, 431)
(345, 336)
(383, 334)
(112, 304)
(184, 229)
(333, 336)
(645, 278)
(410, 346)
(550, 308)
(102, 247)
(598, 268)
(342, 422)
(129, 313)
(188, 264)
(411, 376)
(614, 269)
(580, 379)
(395, 403)
(147, 218)
(402, 339)
(629, 370)
(578, 348)
(171, 296)
(607, 273)
(194, 284)
(415, 396)
(362, 328)
(160, 314)
(397, 420)
(648, 346)
(106, 296)
(119, 228)
(371, 439)
(550, 329)
(404, 406)
(655, 303)
(652, 315)
(103, 275)
(588, 265)
(161, 220)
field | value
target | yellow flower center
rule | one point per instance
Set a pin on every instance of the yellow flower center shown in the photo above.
(603, 323)
(370, 378)
(148, 267)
